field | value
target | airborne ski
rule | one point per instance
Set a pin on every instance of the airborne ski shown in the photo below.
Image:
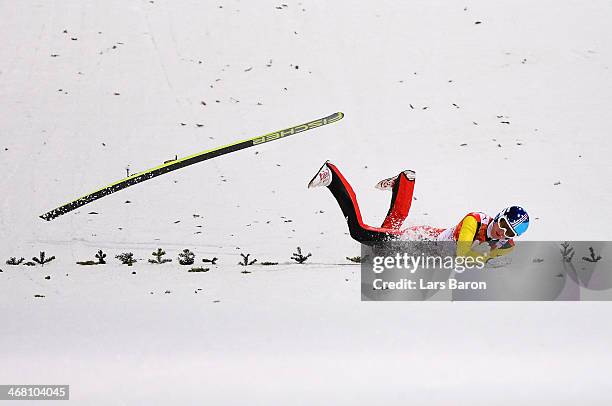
(186, 161)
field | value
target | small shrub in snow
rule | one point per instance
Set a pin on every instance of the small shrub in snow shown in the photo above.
(42, 260)
(186, 257)
(100, 257)
(199, 269)
(212, 261)
(15, 261)
(87, 263)
(567, 252)
(158, 257)
(245, 260)
(126, 258)
(298, 257)
(593, 258)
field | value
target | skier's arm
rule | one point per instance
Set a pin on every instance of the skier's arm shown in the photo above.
(469, 226)
(504, 250)
(467, 248)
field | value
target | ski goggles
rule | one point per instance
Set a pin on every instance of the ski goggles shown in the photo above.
(504, 224)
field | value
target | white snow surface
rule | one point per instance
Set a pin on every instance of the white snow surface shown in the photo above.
(89, 88)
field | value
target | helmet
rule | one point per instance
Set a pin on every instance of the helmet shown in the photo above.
(517, 218)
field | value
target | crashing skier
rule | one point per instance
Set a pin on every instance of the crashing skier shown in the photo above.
(476, 235)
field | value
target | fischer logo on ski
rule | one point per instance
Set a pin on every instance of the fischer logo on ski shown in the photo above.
(298, 128)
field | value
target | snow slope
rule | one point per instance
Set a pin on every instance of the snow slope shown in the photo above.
(132, 83)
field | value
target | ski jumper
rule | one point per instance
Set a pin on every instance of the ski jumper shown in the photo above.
(474, 227)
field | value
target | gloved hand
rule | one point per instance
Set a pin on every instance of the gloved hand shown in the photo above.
(481, 248)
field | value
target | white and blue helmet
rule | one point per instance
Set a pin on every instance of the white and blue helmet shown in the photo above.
(516, 217)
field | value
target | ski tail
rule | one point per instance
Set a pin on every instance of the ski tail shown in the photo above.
(186, 161)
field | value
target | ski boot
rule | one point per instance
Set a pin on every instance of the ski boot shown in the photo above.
(387, 184)
(322, 178)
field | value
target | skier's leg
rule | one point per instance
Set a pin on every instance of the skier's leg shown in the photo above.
(347, 200)
(401, 200)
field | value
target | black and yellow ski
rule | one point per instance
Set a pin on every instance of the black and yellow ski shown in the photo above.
(183, 162)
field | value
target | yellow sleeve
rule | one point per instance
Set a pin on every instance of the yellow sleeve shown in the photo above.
(469, 227)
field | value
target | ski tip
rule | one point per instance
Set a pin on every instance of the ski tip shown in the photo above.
(337, 116)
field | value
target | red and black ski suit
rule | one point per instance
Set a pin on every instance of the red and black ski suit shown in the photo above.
(401, 199)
